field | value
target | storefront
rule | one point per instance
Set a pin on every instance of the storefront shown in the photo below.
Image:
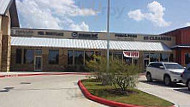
(53, 50)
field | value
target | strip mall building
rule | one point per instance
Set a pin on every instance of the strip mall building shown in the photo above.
(25, 49)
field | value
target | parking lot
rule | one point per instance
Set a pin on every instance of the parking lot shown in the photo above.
(58, 91)
(177, 94)
(43, 91)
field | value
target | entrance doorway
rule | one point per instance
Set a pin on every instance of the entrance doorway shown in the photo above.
(38, 63)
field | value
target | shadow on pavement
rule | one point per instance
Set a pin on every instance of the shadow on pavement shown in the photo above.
(160, 83)
(7, 89)
(183, 90)
(25, 83)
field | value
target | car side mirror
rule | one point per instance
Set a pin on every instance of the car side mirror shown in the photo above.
(161, 67)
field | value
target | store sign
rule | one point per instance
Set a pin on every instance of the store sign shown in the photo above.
(131, 54)
(126, 35)
(22, 32)
(50, 33)
(85, 35)
(163, 38)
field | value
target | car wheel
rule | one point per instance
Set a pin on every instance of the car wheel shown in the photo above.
(149, 77)
(188, 85)
(167, 80)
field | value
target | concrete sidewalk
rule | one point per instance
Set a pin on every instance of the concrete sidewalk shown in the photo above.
(17, 74)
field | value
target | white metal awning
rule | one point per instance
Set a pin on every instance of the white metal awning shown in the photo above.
(88, 44)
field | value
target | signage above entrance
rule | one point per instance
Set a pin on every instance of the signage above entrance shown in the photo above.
(85, 35)
(131, 54)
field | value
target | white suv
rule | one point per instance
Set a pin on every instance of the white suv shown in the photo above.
(164, 71)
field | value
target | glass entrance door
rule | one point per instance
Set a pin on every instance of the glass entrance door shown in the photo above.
(38, 63)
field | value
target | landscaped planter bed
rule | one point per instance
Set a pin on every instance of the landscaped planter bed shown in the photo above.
(95, 91)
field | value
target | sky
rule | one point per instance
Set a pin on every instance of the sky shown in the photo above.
(127, 16)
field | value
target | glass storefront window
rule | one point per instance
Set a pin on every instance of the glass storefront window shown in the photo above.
(117, 55)
(146, 55)
(38, 52)
(53, 57)
(89, 55)
(98, 53)
(128, 61)
(154, 57)
(18, 56)
(28, 56)
(187, 58)
(70, 57)
(79, 57)
(110, 55)
(164, 57)
(135, 61)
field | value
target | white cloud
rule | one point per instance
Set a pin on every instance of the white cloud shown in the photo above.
(47, 14)
(136, 15)
(187, 24)
(80, 27)
(155, 14)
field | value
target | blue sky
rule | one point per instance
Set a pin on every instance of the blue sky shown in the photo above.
(127, 16)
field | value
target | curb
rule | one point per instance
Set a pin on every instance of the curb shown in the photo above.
(41, 74)
(88, 95)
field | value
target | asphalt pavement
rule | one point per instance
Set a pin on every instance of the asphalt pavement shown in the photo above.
(177, 94)
(43, 91)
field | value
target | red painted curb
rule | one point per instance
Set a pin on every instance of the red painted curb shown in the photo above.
(88, 95)
(41, 74)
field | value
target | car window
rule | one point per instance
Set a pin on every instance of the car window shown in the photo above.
(188, 69)
(173, 66)
(158, 65)
(155, 65)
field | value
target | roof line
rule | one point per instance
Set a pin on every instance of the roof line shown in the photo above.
(86, 31)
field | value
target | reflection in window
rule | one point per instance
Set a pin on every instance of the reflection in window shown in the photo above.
(146, 55)
(164, 57)
(28, 56)
(53, 57)
(79, 57)
(117, 55)
(89, 55)
(70, 57)
(154, 57)
(187, 58)
(18, 56)
(128, 61)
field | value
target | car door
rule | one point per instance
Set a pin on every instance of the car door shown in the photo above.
(154, 70)
(160, 71)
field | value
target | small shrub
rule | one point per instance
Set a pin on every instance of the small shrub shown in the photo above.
(120, 75)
